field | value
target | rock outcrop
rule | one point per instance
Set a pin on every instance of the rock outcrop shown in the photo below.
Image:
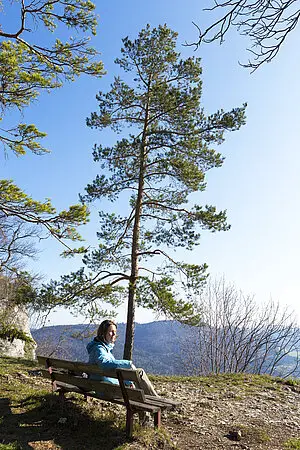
(18, 344)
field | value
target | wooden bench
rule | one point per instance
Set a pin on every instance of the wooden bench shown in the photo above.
(70, 376)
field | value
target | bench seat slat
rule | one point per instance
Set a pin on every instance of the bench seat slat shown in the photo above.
(144, 407)
(157, 401)
(167, 401)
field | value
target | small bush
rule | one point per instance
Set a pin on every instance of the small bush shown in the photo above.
(11, 332)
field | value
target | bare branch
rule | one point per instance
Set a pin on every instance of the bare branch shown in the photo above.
(267, 23)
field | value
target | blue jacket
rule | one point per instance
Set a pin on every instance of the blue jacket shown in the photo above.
(100, 353)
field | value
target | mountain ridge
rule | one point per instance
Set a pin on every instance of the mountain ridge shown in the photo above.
(161, 347)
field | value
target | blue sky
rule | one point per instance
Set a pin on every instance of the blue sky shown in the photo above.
(259, 183)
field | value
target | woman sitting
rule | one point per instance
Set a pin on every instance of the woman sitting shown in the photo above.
(100, 353)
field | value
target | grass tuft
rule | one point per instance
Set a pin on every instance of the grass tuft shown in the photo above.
(292, 444)
(253, 434)
(12, 446)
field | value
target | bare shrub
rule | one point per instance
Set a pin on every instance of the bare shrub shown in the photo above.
(237, 334)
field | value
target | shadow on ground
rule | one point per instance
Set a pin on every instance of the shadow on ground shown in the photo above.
(46, 422)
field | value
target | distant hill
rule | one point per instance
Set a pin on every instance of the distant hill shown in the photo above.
(158, 345)
(161, 347)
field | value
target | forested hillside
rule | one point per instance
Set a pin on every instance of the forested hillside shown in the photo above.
(162, 347)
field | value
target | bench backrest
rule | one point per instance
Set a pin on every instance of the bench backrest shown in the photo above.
(74, 366)
(78, 374)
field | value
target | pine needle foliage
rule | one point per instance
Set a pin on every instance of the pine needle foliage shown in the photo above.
(35, 56)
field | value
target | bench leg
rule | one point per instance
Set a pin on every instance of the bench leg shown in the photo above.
(61, 395)
(129, 423)
(157, 419)
(87, 398)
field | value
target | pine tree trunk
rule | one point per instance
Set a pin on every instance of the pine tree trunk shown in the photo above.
(128, 347)
(129, 338)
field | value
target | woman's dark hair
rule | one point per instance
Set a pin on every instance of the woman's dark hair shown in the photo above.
(103, 327)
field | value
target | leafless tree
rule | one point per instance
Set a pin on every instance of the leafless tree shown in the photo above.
(16, 243)
(266, 22)
(239, 335)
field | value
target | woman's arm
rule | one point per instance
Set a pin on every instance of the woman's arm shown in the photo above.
(107, 361)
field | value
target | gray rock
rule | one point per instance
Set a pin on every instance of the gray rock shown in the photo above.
(16, 316)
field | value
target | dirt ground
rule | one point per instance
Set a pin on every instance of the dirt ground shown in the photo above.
(243, 412)
(245, 416)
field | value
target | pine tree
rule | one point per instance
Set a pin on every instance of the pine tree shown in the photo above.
(161, 159)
